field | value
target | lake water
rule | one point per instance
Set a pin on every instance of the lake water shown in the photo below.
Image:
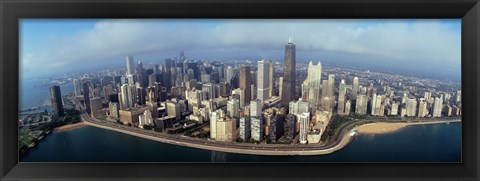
(420, 143)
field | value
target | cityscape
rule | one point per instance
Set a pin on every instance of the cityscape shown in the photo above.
(253, 107)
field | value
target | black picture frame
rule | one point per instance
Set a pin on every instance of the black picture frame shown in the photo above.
(12, 10)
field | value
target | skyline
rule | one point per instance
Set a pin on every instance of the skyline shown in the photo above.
(425, 46)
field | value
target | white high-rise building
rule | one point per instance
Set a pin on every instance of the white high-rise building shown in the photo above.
(213, 124)
(394, 109)
(263, 78)
(355, 88)
(348, 106)
(411, 107)
(378, 105)
(145, 119)
(77, 85)
(130, 66)
(297, 107)
(256, 108)
(361, 106)
(422, 108)
(229, 75)
(127, 101)
(257, 128)
(373, 103)
(233, 108)
(314, 80)
(304, 120)
(437, 107)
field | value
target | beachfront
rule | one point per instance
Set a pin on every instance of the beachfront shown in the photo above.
(69, 127)
(387, 127)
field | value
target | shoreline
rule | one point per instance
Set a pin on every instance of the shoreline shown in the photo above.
(69, 127)
(390, 127)
(254, 149)
(346, 139)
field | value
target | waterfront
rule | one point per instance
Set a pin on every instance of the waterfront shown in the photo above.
(419, 143)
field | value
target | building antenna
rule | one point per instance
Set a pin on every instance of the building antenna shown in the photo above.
(290, 39)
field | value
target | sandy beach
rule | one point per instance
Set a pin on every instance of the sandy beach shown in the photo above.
(386, 127)
(69, 127)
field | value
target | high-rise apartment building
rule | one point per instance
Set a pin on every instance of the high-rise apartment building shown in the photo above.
(437, 107)
(57, 103)
(361, 105)
(245, 128)
(304, 120)
(233, 108)
(411, 107)
(256, 108)
(257, 128)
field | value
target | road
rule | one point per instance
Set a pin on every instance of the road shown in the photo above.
(341, 138)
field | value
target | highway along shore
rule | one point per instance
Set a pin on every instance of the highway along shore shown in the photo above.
(344, 136)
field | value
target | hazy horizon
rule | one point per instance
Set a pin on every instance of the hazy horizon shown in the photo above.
(427, 47)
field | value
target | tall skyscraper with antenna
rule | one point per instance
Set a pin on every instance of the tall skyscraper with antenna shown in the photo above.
(289, 74)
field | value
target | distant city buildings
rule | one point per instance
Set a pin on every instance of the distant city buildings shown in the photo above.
(248, 101)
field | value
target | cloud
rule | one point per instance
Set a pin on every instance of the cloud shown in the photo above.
(420, 42)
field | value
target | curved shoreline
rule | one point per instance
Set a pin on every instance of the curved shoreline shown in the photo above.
(258, 151)
(388, 127)
(69, 127)
(343, 138)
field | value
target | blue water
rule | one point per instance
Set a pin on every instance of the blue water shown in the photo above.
(32, 95)
(422, 143)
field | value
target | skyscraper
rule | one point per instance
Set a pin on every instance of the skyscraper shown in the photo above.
(130, 66)
(355, 88)
(257, 128)
(245, 84)
(56, 97)
(411, 107)
(86, 97)
(314, 80)
(263, 78)
(213, 124)
(342, 90)
(331, 85)
(129, 96)
(437, 107)
(304, 120)
(256, 108)
(245, 128)
(289, 74)
(229, 75)
(361, 106)
(270, 78)
(422, 108)
(233, 108)
(77, 87)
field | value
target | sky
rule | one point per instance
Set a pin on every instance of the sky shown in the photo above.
(425, 47)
